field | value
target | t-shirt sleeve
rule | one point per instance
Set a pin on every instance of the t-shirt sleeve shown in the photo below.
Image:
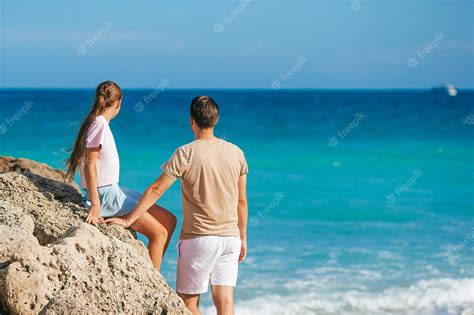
(244, 168)
(176, 165)
(96, 134)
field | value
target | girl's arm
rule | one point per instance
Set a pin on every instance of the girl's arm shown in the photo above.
(90, 173)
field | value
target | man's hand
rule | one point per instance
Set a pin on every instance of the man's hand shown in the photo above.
(123, 221)
(94, 215)
(243, 251)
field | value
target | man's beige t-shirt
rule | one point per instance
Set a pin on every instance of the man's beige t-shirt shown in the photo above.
(209, 173)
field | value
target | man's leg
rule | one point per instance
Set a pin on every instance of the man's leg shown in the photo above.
(223, 297)
(196, 257)
(224, 275)
(192, 302)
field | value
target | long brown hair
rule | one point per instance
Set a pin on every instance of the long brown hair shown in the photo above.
(106, 94)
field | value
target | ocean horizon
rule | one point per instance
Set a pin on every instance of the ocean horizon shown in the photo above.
(360, 201)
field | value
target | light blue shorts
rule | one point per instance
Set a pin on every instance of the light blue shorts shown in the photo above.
(115, 200)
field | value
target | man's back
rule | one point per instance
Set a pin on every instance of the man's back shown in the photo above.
(209, 173)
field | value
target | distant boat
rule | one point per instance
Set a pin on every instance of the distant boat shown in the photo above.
(448, 88)
(452, 90)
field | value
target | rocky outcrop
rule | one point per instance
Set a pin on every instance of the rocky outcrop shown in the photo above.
(54, 206)
(21, 165)
(51, 262)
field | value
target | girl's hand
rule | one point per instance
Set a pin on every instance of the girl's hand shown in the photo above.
(123, 221)
(94, 215)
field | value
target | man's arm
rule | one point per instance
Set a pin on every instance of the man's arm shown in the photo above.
(243, 214)
(149, 198)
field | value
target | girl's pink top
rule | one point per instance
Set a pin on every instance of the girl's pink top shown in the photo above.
(100, 136)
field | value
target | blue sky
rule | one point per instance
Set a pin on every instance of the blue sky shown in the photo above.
(238, 44)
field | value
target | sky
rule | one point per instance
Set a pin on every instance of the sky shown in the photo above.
(256, 44)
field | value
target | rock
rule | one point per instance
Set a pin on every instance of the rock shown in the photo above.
(10, 164)
(17, 231)
(51, 262)
(54, 206)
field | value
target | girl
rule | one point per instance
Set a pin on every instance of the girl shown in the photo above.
(95, 154)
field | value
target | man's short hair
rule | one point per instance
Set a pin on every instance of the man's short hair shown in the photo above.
(205, 111)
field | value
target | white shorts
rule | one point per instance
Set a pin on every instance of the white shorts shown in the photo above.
(207, 260)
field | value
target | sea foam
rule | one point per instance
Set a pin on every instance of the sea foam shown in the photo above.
(427, 297)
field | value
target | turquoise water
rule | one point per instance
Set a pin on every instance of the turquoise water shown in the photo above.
(381, 223)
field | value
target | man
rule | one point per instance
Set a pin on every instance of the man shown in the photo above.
(214, 234)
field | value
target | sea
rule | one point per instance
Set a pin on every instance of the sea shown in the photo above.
(361, 201)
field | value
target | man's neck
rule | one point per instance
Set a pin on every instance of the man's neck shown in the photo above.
(205, 135)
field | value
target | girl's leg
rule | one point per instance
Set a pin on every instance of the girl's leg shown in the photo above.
(167, 219)
(157, 236)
